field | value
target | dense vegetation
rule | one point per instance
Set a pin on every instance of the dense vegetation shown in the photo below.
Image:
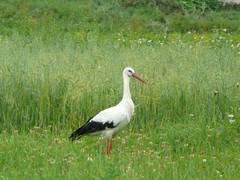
(61, 62)
(57, 19)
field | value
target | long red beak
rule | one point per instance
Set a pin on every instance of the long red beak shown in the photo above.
(136, 76)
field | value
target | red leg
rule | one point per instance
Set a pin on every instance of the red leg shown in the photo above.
(109, 147)
(107, 150)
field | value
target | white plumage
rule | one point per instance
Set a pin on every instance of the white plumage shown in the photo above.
(118, 116)
(110, 121)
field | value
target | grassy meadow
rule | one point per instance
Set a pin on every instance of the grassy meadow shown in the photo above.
(57, 71)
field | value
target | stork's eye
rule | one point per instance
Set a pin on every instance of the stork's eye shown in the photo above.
(130, 71)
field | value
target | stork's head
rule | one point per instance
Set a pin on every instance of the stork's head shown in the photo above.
(131, 73)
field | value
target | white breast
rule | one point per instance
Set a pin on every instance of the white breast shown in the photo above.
(128, 106)
(120, 115)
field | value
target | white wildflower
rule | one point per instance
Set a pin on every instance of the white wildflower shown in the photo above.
(90, 158)
(231, 118)
(52, 161)
(191, 115)
(231, 121)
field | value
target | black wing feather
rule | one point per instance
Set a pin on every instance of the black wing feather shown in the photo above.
(91, 127)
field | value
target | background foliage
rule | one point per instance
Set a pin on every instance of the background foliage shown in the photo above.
(61, 62)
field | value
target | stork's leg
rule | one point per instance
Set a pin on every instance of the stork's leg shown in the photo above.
(107, 150)
(109, 146)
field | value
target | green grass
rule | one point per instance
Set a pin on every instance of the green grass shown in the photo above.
(57, 19)
(175, 151)
(181, 128)
(60, 64)
(63, 84)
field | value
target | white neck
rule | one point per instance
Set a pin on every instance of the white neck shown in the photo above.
(126, 89)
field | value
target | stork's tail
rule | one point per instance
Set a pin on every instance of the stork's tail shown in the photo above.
(80, 131)
(76, 134)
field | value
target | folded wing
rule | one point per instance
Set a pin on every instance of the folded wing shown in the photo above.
(107, 119)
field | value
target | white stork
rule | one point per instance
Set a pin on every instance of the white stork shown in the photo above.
(109, 121)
